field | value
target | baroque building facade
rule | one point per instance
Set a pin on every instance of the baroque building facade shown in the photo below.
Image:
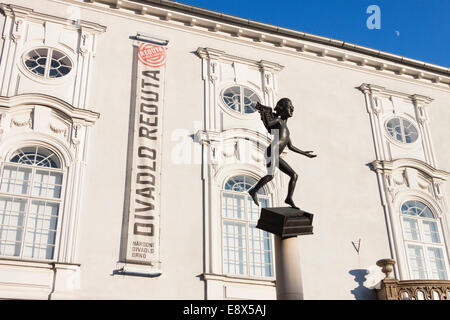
(129, 140)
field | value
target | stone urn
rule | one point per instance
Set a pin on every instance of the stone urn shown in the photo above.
(387, 266)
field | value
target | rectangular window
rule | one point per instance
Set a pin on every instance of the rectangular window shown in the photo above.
(411, 229)
(41, 230)
(233, 206)
(47, 184)
(253, 209)
(260, 252)
(430, 232)
(12, 216)
(417, 262)
(234, 248)
(437, 263)
(15, 180)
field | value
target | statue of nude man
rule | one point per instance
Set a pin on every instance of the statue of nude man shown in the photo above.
(278, 121)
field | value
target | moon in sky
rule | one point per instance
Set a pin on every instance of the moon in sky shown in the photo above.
(397, 33)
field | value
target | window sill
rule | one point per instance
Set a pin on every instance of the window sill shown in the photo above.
(38, 279)
(43, 264)
(239, 279)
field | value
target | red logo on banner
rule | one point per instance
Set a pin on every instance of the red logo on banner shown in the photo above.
(152, 55)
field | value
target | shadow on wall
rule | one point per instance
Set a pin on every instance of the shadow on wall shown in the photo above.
(361, 292)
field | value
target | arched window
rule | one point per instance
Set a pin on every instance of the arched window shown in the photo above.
(423, 242)
(246, 250)
(31, 188)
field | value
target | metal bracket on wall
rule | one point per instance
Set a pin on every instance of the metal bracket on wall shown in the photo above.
(357, 245)
(141, 36)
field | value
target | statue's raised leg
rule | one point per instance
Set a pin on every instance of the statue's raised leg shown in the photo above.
(253, 191)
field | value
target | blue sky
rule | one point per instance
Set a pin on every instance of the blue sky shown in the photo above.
(418, 29)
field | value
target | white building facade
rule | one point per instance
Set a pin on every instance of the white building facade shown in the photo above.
(129, 140)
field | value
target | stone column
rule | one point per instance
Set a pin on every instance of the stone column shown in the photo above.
(286, 224)
(288, 277)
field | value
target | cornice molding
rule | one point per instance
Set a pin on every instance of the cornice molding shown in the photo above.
(209, 53)
(376, 90)
(83, 115)
(387, 166)
(15, 11)
(219, 55)
(297, 42)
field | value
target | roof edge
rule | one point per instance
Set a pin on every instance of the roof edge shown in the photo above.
(290, 41)
(303, 35)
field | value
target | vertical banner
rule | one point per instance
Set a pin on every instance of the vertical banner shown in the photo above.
(144, 202)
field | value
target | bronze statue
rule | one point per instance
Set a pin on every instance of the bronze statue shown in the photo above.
(277, 121)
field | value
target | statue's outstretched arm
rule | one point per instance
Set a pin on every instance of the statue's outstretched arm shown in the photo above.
(295, 149)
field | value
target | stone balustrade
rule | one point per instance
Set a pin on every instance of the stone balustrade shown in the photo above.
(393, 289)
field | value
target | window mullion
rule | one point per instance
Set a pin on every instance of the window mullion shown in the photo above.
(241, 106)
(46, 158)
(25, 220)
(408, 259)
(47, 64)
(424, 261)
(424, 246)
(421, 231)
(59, 201)
(402, 130)
(247, 239)
(421, 243)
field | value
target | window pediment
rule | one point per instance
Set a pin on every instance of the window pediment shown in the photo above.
(382, 165)
(24, 101)
(39, 117)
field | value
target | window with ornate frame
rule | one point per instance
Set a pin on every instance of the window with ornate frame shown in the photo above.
(402, 130)
(31, 200)
(424, 245)
(246, 250)
(48, 63)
